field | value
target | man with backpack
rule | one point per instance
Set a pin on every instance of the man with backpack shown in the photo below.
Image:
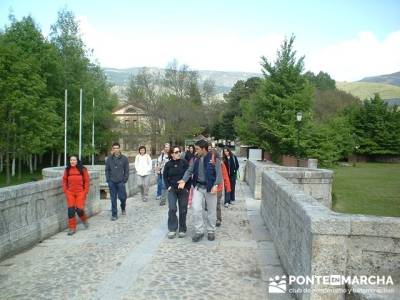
(207, 176)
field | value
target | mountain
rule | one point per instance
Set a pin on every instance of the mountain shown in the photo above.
(224, 81)
(365, 90)
(388, 79)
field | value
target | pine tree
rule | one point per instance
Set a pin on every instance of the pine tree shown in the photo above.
(269, 115)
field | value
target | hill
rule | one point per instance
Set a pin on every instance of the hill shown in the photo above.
(393, 79)
(365, 90)
(224, 81)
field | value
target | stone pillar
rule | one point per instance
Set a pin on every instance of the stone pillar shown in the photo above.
(312, 163)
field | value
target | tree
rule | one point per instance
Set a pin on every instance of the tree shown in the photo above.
(329, 141)
(269, 115)
(186, 108)
(322, 81)
(230, 110)
(27, 107)
(329, 103)
(145, 91)
(182, 82)
(77, 71)
(377, 128)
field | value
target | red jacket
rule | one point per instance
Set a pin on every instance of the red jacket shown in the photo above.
(225, 182)
(76, 182)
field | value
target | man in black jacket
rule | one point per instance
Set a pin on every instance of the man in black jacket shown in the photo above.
(117, 174)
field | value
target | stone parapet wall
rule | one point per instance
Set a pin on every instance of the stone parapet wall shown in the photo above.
(311, 239)
(131, 185)
(315, 182)
(31, 212)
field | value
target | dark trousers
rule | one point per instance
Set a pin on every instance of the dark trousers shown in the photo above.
(117, 190)
(180, 196)
(233, 186)
(229, 197)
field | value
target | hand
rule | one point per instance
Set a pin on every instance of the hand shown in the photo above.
(169, 189)
(181, 184)
(214, 189)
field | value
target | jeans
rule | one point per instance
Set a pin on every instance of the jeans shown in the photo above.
(117, 189)
(180, 196)
(160, 186)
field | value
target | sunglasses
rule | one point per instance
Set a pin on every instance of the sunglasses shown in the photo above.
(176, 152)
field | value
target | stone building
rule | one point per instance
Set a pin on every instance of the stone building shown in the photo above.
(133, 129)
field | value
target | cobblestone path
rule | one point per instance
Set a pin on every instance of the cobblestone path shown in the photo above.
(132, 258)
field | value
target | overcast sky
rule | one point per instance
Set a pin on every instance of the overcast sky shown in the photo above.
(348, 39)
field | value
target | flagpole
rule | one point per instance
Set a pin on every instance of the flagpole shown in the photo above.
(80, 125)
(65, 126)
(93, 135)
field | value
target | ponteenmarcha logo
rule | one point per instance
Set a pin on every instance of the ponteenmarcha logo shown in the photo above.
(277, 285)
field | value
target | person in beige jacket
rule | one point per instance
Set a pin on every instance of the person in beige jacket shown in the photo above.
(143, 166)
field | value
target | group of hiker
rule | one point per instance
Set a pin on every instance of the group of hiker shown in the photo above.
(193, 177)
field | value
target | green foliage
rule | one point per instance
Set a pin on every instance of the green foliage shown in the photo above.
(322, 81)
(377, 128)
(329, 141)
(329, 103)
(77, 72)
(35, 72)
(27, 108)
(225, 128)
(269, 115)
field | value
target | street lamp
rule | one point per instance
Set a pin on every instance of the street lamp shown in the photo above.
(299, 116)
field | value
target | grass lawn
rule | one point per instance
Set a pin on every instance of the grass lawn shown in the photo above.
(26, 177)
(368, 89)
(367, 188)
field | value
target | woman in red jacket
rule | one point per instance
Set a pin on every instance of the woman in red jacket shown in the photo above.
(76, 184)
(225, 184)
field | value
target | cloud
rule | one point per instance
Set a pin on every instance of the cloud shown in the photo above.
(364, 55)
(219, 50)
(359, 57)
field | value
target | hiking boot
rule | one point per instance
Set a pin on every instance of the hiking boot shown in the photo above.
(114, 218)
(218, 223)
(171, 234)
(211, 236)
(71, 232)
(86, 224)
(123, 212)
(226, 205)
(162, 202)
(197, 237)
(182, 234)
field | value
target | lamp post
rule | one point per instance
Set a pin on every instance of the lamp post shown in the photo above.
(299, 116)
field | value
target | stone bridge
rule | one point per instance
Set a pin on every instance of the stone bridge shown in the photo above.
(281, 225)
